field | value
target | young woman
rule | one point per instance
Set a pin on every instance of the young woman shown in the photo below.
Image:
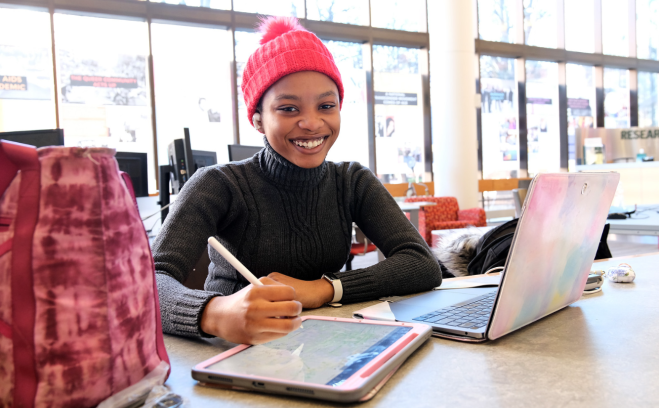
(286, 213)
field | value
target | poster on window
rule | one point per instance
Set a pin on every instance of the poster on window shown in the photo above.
(499, 127)
(25, 73)
(104, 100)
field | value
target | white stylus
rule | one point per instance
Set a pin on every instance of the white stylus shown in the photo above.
(234, 261)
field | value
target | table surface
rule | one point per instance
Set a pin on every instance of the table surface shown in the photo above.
(601, 351)
(644, 222)
(415, 206)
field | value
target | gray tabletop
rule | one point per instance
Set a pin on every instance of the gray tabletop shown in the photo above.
(601, 351)
(644, 222)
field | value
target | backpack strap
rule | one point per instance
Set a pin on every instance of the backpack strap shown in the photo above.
(8, 169)
(129, 185)
(19, 157)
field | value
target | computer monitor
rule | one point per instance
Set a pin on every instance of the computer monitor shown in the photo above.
(241, 152)
(203, 158)
(37, 138)
(136, 166)
(181, 161)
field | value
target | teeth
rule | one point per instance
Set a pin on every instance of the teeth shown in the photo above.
(310, 145)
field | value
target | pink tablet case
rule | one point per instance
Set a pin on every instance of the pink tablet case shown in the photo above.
(360, 376)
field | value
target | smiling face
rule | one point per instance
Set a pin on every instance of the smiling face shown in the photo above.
(300, 117)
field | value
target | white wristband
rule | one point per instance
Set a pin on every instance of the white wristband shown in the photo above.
(338, 290)
(336, 284)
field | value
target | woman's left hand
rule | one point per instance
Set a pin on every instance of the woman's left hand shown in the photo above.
(311, 294)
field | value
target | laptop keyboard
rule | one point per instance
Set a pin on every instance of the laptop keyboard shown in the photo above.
(472, 314)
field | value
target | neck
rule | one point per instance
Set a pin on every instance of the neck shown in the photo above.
(287, 174)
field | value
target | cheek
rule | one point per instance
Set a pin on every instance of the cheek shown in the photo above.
(272, 128)
(335, 123)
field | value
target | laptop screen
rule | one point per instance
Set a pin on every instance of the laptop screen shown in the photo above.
(554, 247)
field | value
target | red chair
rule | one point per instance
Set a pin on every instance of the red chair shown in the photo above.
(446, 215)
(361, 247)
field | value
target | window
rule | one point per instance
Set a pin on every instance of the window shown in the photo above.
(543, 138)
(496, 20)
(580, 25)
(214, 4)
(408, 15)
(246, 43)
(293, 8)
(193, 87)
(102, 84)
(540, 23)
(647, 28)
(339, 11)
(580, 104)
(26, 71)
(399, 141)
(616, 98)
(352, 144)
(500, 135)
(615, 27)
(648, 99)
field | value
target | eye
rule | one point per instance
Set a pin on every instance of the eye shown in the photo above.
(288, 109)
(327, 106)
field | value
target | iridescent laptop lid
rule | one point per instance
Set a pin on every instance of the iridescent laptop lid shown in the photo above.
(554, 246)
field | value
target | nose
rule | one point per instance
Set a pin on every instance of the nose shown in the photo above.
(311, 122)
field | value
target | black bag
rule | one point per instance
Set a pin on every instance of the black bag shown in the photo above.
(493, 247)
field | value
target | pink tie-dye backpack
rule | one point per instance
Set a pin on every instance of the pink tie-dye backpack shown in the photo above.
(79, 313)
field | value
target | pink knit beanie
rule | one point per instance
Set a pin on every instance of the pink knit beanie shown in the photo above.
(286, 48)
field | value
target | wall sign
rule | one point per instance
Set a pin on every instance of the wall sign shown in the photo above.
(103, 81)
(13, 83)
(395, 98)
(620, 144)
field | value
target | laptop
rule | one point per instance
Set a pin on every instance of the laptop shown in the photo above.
(548, 264)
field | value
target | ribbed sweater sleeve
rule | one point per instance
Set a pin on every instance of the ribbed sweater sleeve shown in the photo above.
(194, 217)
(409, 266)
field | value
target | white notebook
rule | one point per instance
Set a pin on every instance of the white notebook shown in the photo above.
(382, 311)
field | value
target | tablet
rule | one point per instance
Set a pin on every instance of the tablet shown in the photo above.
(330, 358)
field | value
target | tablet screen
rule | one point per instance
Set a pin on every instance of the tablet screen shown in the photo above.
(323, 352)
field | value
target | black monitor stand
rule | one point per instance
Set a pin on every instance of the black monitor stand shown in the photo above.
(183, 163)
(163, 194)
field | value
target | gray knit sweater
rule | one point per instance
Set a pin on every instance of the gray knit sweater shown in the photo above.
(277, 217)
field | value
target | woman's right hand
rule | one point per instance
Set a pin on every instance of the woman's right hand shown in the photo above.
(254, 314)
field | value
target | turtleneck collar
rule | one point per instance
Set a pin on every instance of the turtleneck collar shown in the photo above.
(287, 174)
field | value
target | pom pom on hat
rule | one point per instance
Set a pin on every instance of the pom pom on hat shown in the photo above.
(286, 48)
(273, 27)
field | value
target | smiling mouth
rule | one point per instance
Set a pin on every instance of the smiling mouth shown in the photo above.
(310, 143)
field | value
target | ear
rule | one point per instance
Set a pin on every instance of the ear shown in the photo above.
(256, 120)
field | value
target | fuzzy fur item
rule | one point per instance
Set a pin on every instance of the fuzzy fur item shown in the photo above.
(455, 251)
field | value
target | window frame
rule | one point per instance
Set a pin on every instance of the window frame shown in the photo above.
(145, 10)
(522, 52)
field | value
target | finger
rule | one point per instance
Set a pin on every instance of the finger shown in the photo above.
(270, 279)
(276, 309)
(273, 293)
(279, 325)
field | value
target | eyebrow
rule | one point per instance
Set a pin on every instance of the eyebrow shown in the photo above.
(328, 93)
(297, 98)
(287, 96)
